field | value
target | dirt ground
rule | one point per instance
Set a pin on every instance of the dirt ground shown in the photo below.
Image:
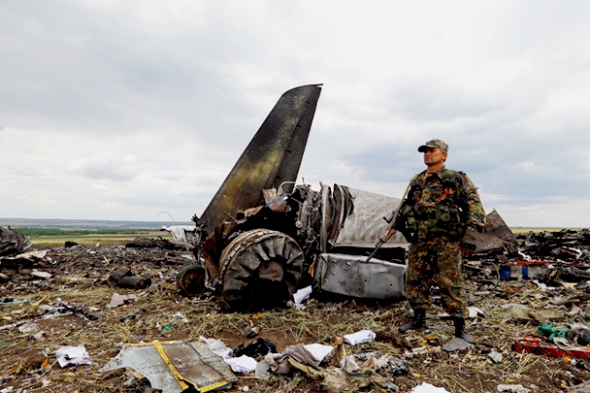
(79, 274)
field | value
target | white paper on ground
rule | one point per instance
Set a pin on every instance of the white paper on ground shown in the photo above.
(364, 336)
(216, 346)
(428, 388)
(513, 388)
(319, 351)
(302, 294)
(244, 364)
(72, 355)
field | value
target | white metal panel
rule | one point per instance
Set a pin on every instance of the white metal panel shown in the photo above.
(350, 275)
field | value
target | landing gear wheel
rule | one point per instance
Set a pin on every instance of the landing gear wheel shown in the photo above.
(260, 269)
(191, 280)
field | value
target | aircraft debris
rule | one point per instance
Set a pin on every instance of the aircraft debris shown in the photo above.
(118, 300)
(82, 275)
(13, 242)
(278, 232)
(174, 366)
(184, 233)
(124, 278)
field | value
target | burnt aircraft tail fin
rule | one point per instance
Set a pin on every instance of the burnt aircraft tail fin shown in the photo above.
(272, 157)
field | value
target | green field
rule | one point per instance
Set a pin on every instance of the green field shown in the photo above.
(49, 237)
(517, 230)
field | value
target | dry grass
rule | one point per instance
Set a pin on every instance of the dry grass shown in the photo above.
(150, 318)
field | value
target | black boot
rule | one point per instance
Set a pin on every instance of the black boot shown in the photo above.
(418, 322)
(460, 330)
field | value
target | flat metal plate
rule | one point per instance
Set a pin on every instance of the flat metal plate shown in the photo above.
(170, 365)
(349, 275)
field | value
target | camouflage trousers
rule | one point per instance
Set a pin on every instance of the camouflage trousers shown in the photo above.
(436, 259)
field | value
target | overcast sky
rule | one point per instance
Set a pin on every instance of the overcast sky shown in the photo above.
(122, 110)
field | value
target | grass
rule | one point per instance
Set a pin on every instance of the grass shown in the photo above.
(49, 238)
(105, 239)
(517, 230)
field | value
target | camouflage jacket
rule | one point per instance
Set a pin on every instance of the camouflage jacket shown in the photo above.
(443, 202)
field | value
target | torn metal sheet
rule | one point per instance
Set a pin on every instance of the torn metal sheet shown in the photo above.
(358, 220)
(272, 158)
(565, 245)
(350, 275)
(174, 366)
(182, 233)
(497, 236)
(12, 242)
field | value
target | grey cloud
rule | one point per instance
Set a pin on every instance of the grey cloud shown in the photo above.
(493, 80)
(105, 166)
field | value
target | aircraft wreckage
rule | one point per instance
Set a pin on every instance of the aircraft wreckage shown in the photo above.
(262, 236)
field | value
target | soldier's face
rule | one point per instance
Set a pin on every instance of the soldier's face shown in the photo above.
(434, 156)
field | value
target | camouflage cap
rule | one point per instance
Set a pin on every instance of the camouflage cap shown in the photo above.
(434, 143)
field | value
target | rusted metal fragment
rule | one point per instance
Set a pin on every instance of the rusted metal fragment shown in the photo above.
(12, 242)
(174, 366)
(497, 236)
(145, 242)
(350, 275)
(191, 280)
(273, 156)
(566, 245)
(124, 278)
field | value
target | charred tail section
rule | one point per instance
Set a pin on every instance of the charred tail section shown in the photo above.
(272, 158)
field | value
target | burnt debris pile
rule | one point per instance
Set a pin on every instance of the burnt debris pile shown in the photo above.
(565, 245)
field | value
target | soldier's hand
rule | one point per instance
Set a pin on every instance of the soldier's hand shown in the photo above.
(387, 235)
(466, 251)
(468, 244)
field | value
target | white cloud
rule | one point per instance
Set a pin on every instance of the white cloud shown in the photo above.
(110, 206)
(105, 165)
(42, 201)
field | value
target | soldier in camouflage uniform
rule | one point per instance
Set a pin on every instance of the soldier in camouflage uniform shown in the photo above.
(439, 218)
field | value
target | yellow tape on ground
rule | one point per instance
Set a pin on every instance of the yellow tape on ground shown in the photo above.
(179, 378)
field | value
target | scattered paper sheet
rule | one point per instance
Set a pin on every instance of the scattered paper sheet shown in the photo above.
(216, 346)
(513, 389)
(72, 355)
(302, 294)
(244, 364)
(428, 388)
(319, 351)
(364, 336)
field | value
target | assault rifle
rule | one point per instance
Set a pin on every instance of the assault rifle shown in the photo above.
(393, 221)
